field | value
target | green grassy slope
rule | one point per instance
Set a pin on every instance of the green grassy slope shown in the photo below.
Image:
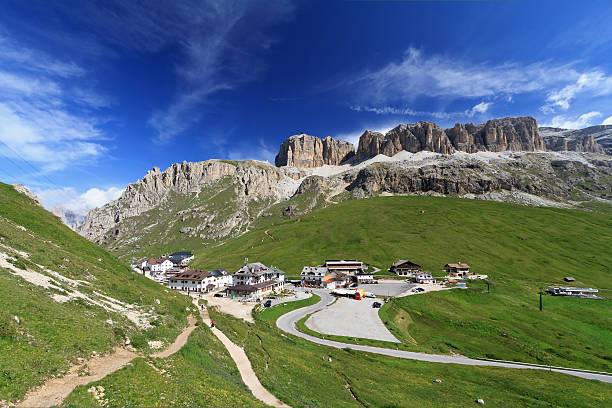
(201, 374)
(522, 249)
(39, 336)
(304, 374)
(157, 231)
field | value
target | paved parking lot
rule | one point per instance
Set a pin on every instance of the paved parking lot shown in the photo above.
(352, 318)
(387, 287)
(298, 295)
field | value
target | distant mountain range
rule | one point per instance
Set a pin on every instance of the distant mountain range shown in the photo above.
(204, 203)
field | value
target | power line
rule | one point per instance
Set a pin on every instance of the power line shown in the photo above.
(36, 170)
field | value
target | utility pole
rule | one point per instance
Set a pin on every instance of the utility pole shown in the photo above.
(540, 300)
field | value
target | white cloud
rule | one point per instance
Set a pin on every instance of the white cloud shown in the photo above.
(607, 121)
(67, 199)
(261, 152)
(392, 110)
(480, 108)
(441, 76)
(44, 115)
(220, 42)
(595, 82)
(582, 121)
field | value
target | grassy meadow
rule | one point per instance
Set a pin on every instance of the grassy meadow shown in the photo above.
(521, 249)
(201, 374)
(41, 337)
(303, 374)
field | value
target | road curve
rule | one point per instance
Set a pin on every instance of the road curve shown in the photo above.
(287, 323)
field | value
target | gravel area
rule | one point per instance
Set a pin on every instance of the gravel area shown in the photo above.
(387, 287)
(351, 318)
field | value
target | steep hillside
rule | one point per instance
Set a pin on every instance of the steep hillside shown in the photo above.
(63, 298)
(522, 249)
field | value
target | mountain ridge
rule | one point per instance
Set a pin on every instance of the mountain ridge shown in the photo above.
(200, 203)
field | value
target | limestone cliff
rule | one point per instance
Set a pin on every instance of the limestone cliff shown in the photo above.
(581, 140)
(413, 138)
(306, 151)
(512, 134)
(243, 181)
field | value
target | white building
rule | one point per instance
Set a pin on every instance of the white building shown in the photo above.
(255, 272)
(424, 277)
(192, 281)
(223, 277)
(349, 266)
(315, 275)
(364, 277)
(159, 265)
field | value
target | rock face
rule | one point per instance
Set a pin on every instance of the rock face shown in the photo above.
(413, 138)
(514, 134)
(247, 181)
(306, 151)
(24, 190)
(581, 140)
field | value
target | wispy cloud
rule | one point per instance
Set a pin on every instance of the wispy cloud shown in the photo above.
(442, 76)
(261, 151)
(43, 112)
(393, 110)
(220, 42)
(596, 82)
(582, 121)
(418, 75)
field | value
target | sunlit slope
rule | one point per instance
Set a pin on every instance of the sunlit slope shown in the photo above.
(522, 249)
(62, 297)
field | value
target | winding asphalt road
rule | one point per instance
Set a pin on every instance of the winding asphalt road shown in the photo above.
(287, 323)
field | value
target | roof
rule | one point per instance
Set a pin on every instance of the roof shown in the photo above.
(404, 261)
(322, 269)
(182, 253)
(251, 288)
(276, 270)
(458, 265)
(154, 261)
(219, 272)
(193, 275)
(341, 261)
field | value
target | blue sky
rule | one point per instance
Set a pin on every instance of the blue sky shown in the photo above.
(94, 95)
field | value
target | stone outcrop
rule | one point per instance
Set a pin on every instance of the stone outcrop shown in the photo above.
(306, 151)
(24, 190)
(248, 180)
(513, 134)
(413, 138)
(581, 140)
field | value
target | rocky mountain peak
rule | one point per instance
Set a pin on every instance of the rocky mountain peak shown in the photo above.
(496, 135)
(306, 151)
(413, 137)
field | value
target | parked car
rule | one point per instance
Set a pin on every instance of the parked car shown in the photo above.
(218, 295)
(376, 305)
(271, 297)
(370, 295)
(267, 303)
